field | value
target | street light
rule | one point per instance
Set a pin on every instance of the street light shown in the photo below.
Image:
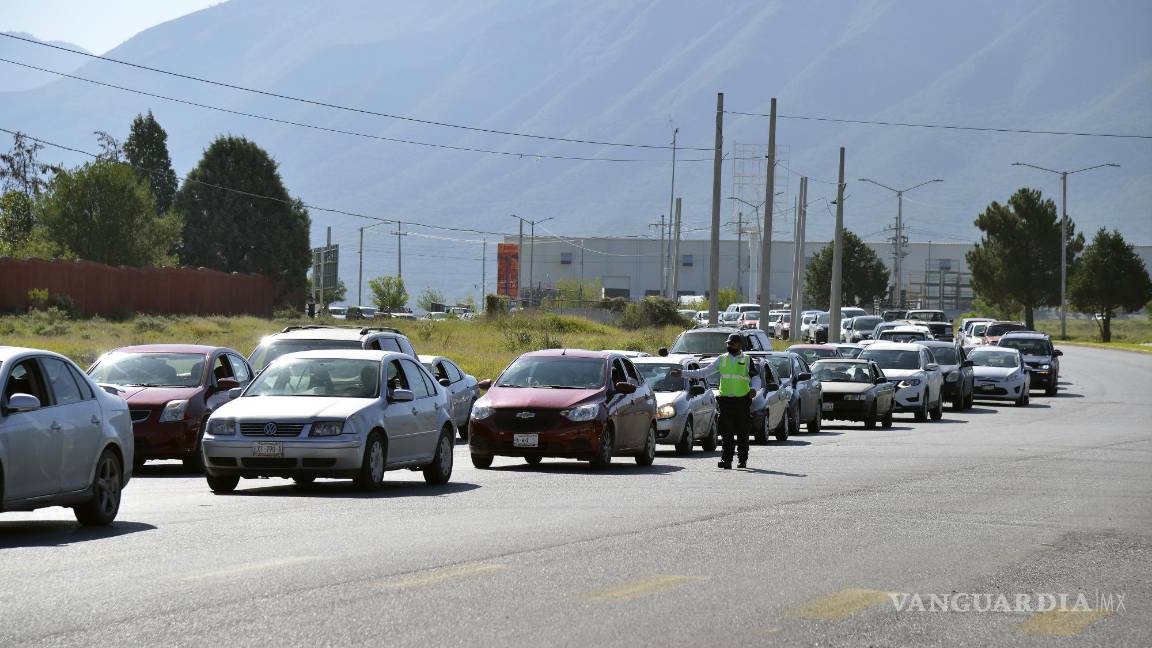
(360, 277)
(532, 254)
(1064, 234)
(898, 285)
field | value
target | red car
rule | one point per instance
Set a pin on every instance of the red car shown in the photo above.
(171, 389)
(587, 405)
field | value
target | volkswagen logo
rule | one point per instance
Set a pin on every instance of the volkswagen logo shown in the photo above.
(269, 429)
(525, 415)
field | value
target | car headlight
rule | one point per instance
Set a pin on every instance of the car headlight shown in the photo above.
(174, 411)
(582, 413)
(327, 428)
(221, 427)
(665, 411)
(909, 382)
(1045, 367)
(952, 377)
(481, 412)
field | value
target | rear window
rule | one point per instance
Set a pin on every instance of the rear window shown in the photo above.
(865, 323)
(995, 330)
(712, 343)
(1028, 346)
(893, 359)
(945, 356)
(266, 353)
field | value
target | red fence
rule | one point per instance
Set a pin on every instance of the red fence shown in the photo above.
(98, 289)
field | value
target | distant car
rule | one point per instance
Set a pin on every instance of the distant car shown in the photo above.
(904, 334)
(685, 408)
(861, 329)
(996, 329)
(688, 314)
(940, 330)
(628, 353)
(463, 389)
(813, 352)
(171, 391)
(919, 382)
(817, 331)
(851, 311)
(341, 413)
(729, 318)
(701, 320)
(436, 316)
(1041, 359)
(974, 334)
(312, 337)
(855, 390)
(706, 342)
(782, 327)
(749, 319)
(805, 396)
(849, 350)
(337, 312)
(586, 405)
(967, 322)
(894, 314)
(63, 440)
(742, 308)
(926, 316)
(807, 320)
(959, 380)
(1000, 374)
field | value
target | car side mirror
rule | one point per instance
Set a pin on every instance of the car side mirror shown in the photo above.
(485, 384)
(444, 382)
(1057, 352)
(625, 388)
(932, 366)
(696, 390)
(804, 376)
(402, 396)
(22, 403)
(967, 363)
(226, 384)
(771, 386)
(234, 393)
(663, 352)
(880, 380)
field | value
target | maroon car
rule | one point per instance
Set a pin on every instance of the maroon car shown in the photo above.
(171, 389)
(587, 405)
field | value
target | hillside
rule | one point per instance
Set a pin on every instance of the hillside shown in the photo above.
(15, 79)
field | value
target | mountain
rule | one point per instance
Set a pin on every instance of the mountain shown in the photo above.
(16, 78)
(628, 72)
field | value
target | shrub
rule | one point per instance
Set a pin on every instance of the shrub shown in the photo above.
(287, 313)
(651, 311)
(149, 324)
(38, 299)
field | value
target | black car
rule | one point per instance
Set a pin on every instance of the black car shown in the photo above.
(957, 370)
(855, 390)
(806, 398)
(1042, 360)
(940, 330)
(713, 341)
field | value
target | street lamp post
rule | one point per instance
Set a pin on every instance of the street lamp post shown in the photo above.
(360, 276)
(898, 263)
(532, 253)
(739, 236)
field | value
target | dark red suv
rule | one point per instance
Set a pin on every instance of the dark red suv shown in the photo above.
(587, 405)
(171, 389)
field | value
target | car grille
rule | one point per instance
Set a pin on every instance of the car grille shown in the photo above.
(282, 429)
(1036, 365)
(541, 421)
(833, 398)
(267, 462)
(140, 415)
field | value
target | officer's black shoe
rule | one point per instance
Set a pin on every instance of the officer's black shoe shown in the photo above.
(726, 465)
(743, 463)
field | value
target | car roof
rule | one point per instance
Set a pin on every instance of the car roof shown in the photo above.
(678, 358)
(429, 359)
(933, 344)
(172, 348)
(857, 360)
(895, 346)
(571, 353)
(325, 332)
(995, 349)
(713, 329)
(1026, 335)
(812, 346)
(7, 352)
(906, 328)
(345, 354)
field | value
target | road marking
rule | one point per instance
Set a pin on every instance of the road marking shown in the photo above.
(251, 567)
(1062, 623)
(839, 605)
(437, 576)
(638, 588)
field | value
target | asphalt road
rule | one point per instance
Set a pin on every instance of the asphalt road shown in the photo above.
(815, 544)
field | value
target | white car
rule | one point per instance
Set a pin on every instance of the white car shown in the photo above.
(999, 374)
(685, 408)
(906, 333)
(918, 379)
(64, 441)
(335, 413)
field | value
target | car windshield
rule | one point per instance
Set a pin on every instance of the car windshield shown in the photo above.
(996, 330)
(927, 316)
(266, 353)
(893, 358)
(656, 375)
(556, 372)
(946, 355)
(977, 330)
(832, 371)
(998, 359)
(751, 315)
(812, 355)
(729, 317)
(902, 336)
(782, 365)
(713, 343)
(151, 369)
(849, 351)
(822, 318)
(322, 377)
(865, 323)
(1028, 346)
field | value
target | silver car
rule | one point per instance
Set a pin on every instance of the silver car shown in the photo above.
(463, 389)
(1000, 374)
(685, 409)
(63, 440)
(335, 413)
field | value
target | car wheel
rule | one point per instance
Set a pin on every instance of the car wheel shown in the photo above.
(1050, 390)
(886, 422)
(603, 455)
(440, 470)
(225, 484)
(648, 454)
(938, 411)
(712, 440)
(101, 509)
(814, 424)
(687, 438)
(482, 461)
(761, 433)
(958, 402)
(783, 429)
(870, 420)
(1023, 400)
(533, 461)
(304, 480)
(195, 462)
(371, 475)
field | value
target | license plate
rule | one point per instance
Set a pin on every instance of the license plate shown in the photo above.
(828, 407)
(268, 449)
(526, 440)
(985, 388)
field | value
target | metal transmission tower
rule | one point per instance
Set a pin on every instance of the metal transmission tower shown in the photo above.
(749, 178)
(898, 239)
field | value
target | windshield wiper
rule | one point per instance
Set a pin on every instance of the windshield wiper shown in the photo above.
(509, 385)
(561, 387)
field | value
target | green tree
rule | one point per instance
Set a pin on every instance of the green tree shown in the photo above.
(102, 212)
(864, 276)
(429, 297)
(389, 293)
(727, 296)
(1017, 261)
(254, 227)
(331, 295)
(1109, 278)
(21, 172)
(147, 149)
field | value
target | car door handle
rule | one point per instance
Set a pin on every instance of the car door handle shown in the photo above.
(95, 420)
(415, 411)
(55, 427)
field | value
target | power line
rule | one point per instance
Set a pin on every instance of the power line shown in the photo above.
(364, 111)
(987, 129)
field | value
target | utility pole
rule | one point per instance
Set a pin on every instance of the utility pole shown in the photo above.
(531, 253)
(1064, 235)
(665, 261)
(483, 275)
(399, 252)
(798, 262)
(663, 256)
(520, 265)
(676, 253)
(360, 278)
(835, 295)
(898, 239)
(323, 261)
(739, 243)
(766, 237)
(714, 247)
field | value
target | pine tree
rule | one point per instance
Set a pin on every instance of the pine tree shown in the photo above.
(147, 149)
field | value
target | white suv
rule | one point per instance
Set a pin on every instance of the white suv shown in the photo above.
(311, 337)
(918, 379)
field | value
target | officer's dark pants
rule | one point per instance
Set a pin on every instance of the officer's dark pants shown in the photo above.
(735, 424)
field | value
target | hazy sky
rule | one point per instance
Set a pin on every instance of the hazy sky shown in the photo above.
(96, 25)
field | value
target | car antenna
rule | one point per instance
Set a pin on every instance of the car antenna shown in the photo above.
(563, 351)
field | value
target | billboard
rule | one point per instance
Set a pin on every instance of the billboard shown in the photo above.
(508, 269)
(325, 268)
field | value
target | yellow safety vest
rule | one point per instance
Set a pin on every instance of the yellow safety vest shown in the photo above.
(734, 380)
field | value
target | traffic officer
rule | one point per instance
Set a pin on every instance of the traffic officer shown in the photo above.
(739, 382)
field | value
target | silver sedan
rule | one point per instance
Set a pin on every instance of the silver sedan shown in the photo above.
(685, 409)
(463, 389)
